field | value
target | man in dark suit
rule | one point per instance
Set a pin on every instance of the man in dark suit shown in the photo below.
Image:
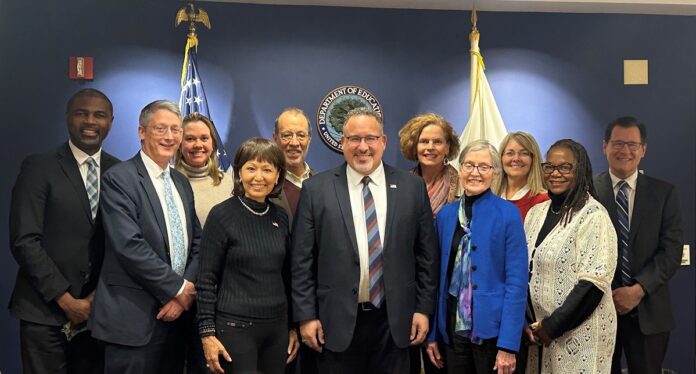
(364, 258)
(645, 212)
(57, 240)
(293, 134)
(151, 256)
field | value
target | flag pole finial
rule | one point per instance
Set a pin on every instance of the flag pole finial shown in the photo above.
(474, 18)
(192, 15)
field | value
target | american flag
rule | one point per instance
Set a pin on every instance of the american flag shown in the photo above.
(193, 97)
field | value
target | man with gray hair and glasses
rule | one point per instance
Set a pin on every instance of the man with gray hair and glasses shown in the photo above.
(151, 257)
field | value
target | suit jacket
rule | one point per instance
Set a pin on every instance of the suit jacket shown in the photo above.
(655, 242)
(53, 237)
(137, 277)
(326, 265)
(282, 200)
(499, 270)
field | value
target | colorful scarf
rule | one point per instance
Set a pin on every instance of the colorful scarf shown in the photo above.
(442, 191)
(460, 283)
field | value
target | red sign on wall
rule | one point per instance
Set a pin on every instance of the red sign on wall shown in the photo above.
(81, 68)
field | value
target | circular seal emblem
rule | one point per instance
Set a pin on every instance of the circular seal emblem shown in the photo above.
(331, 115)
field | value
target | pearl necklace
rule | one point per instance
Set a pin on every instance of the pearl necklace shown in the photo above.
(268, 207)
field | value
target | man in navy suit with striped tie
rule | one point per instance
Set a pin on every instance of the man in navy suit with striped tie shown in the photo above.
(645, 212)
(364, 258)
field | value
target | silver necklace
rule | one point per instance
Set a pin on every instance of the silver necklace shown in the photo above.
(268, 207)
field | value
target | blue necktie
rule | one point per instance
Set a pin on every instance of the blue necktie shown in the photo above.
(624, 230)
(176, 247)
(92, 186)
(374, 245)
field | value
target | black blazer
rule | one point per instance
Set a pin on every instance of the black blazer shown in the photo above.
(282, 200)
(137, 277)
(655, 243)
(326, 266)
(53, 237)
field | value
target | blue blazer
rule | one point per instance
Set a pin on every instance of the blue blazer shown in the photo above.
(499, 270)
(137, 277)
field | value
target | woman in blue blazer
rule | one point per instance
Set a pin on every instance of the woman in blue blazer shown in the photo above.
(483, 273)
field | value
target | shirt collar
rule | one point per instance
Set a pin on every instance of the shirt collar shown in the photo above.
(355, 178)
(153, 170)
(297, 180)
(81, 157)
(631, 180)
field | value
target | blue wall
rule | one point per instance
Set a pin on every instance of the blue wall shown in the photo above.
(555, 75)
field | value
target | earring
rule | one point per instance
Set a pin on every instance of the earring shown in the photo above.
(446, 161)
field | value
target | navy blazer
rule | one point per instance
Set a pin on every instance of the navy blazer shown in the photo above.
(655, 242)
(326, 265)
(53, 237)
(137, 277)
(499, 270)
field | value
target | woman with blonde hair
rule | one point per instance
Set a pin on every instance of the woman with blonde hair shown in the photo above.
(521, 181)
(431, 140)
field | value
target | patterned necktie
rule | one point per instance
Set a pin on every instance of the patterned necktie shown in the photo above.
(374, 245)
(624, 230)
(176, 247)
(92, 186)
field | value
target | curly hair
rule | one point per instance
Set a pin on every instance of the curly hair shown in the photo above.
(410, 133)
(535, 179)
(583, 186)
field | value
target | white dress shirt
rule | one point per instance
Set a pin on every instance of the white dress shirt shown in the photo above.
(631, 191)
(298, 179)
(155, 173)
(81, 158)
(378, 188)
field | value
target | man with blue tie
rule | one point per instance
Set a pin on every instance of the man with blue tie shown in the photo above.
(364, 258)
(151, 257)
(57, 239)
(645, 212)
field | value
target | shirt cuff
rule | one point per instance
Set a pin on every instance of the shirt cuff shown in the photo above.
(181, 290)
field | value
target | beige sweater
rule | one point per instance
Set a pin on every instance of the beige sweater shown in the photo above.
(205, 193)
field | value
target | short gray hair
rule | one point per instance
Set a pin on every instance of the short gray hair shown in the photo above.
(295, 111)
(154, 106)
(481, 145)
(365, 111)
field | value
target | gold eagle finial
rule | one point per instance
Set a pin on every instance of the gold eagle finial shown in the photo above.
(192, 15)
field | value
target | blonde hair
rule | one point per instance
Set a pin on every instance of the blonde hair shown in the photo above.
(409, 134)
(535, 181)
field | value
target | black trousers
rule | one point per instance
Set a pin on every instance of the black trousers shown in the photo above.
(255, 346)
(428, 368)
(45, 349)
(305, 363)
(644, 353)
(164, 353)
(371, 351)
(195, 359)
(463, 356)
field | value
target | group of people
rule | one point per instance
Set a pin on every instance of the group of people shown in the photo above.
(482, 260)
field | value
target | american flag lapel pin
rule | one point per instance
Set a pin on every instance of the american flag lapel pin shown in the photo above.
(275, 224)
(392, 186)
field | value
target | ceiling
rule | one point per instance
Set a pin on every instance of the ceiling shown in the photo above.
(667, 7)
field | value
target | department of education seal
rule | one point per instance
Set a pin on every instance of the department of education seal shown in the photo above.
(331, 115)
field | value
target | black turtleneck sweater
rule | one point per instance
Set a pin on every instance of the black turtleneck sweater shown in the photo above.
(244, 261)
(582, 299)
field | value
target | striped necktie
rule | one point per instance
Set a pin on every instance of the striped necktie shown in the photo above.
(176, 247)
(92, 186)
(374, 245)
(624, 230)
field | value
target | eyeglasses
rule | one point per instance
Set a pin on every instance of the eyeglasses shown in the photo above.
(161, 130)
(564, 168)
(288, 136)
(369, 140)
(482, 168)
(520, 154)
(619, 144)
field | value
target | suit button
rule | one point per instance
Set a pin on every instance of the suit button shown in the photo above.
(473, 247)
(473, 267)
(473, 286)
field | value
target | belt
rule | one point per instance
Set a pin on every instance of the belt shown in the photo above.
(366, 307)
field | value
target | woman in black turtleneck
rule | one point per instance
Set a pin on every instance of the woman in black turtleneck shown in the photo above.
(243, 285)
(483, 276)
(572, 259)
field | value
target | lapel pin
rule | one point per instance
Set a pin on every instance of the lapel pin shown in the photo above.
(275, 224)
(392, 186)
